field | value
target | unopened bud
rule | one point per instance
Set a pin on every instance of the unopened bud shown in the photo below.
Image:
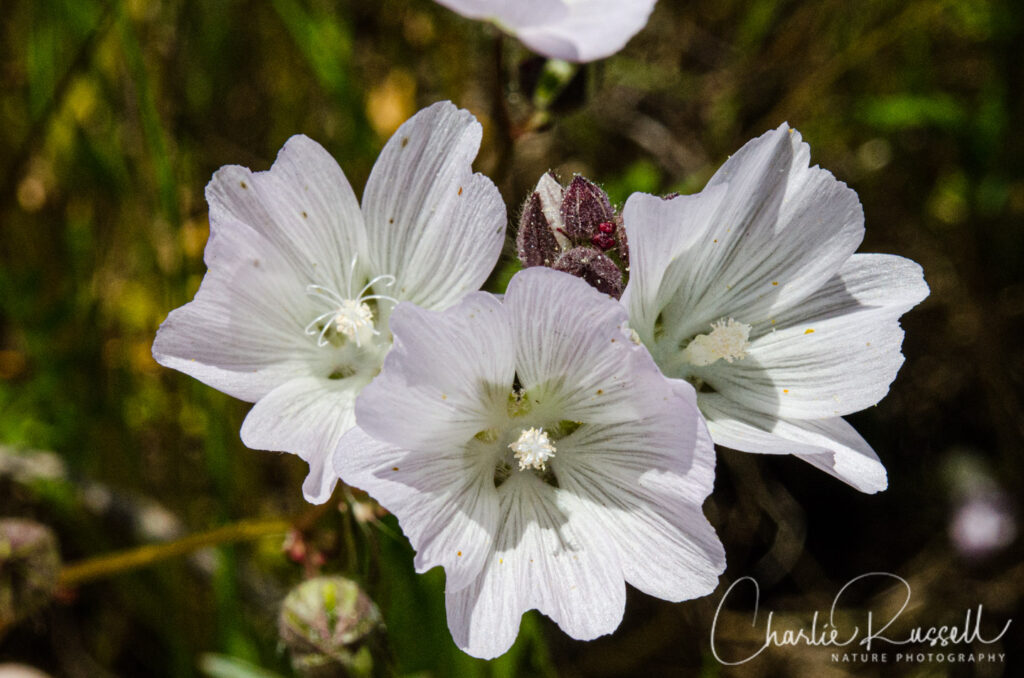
(29, 566)
(584, 208)
(332, 628)
(574, 230)
(594, 267)
(535, 242)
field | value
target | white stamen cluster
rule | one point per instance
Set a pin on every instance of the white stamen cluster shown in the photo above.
(349, 315)
(728, 340)
(533, 449)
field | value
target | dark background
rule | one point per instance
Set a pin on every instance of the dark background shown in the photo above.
(113, 117)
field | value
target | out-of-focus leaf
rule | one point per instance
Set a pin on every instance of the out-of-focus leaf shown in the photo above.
(909, 110)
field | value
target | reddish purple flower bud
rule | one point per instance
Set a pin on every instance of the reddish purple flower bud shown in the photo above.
(535, 241)
(606, 227)
(604, 241)
(584, 207)
(594, 267)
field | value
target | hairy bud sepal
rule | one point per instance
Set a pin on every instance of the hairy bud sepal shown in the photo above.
(575, 230)
(593, 266)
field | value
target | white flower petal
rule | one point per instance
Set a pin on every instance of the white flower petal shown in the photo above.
(834, 353)
(660, 236)
(831, 445)
(542, 560)
(432, 223)
(593, 29)
(305, 416)
(573, 30)
(448, 406)
(446, 505)
(243, 332)
(782, 230)
(303, 205)
(512, 14)
(572, 349)
(642, 484)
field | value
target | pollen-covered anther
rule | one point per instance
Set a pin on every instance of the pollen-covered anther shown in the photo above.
(352, 317)
(728, 340)
(533, 449)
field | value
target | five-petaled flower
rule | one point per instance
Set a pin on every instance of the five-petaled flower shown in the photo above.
(533, 449)
(751, 290)
(293, 311)
(573, 30)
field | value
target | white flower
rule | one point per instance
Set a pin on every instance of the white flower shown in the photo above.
(293, 311)
(534, 451)
(751, 290)
(573, 30)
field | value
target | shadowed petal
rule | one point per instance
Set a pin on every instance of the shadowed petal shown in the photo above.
(834, 353)
(307, 417)
(445, 373)
(448, 508)
(829, 444)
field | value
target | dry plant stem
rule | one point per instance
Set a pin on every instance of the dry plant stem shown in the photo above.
(144, 556)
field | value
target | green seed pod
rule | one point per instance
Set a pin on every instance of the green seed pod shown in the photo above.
(29, 566)
(333, 628)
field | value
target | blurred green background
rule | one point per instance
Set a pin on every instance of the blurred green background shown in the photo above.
(113, 115)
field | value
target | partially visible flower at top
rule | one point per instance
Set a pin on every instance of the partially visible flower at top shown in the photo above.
(293, 311)
(573, 30)
(575, 230)
(533, 449)
(751, 290)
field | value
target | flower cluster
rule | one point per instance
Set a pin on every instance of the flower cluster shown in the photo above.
(547, 446)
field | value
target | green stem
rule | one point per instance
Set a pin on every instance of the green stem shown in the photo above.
(144, 556)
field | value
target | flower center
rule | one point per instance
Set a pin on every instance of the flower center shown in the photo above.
(352, 317)
(533, 449)
(349, 316)
(728, 340)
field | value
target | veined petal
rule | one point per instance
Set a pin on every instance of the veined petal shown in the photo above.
(243, 332)
(449, 405)
(542, 560)
(432, 223)
(831, 445)
(834, 353)
(303, 205)
(781, 231)
(446, 504)
(305, 416)
(573, 351)
(641, 485)
(660, 235)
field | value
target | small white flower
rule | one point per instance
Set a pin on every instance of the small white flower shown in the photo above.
(573, 30)
(751, 291)
(293, 311)
(534, 451)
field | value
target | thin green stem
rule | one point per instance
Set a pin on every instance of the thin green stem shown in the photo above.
(144, 556)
